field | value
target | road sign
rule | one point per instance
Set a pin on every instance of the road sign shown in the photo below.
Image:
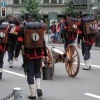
(79, 6)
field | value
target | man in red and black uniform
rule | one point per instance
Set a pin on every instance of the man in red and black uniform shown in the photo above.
(87, 42)
(2, 47)
(33, 61)
(68, 38)
(13, 29)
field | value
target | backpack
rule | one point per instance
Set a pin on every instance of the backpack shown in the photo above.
(88, 26)
(72, 25)
(33, 35)
(3, 34)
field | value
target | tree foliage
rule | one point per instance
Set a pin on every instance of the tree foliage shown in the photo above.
(69, 9)
(32, 7)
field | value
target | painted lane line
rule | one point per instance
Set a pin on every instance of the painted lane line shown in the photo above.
(21, 75)
(97, 66)
(14, 73)
(92, 95)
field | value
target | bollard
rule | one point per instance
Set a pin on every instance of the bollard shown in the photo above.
(17, 92)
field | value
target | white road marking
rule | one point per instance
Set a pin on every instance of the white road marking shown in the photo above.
(97, 66)
(14, 73)
(21, 75)
(92, 95)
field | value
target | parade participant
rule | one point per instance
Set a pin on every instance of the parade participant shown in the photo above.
(87, 41)
(33, 54)
(13, 29)
(68, 36)
(3, 42)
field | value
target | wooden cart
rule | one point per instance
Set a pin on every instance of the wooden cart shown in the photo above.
(70, 58)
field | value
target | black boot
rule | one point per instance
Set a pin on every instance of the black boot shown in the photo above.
(0, 75)
(32, 97)
(39, 92)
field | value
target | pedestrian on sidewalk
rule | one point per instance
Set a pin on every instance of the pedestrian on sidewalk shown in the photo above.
(62, 30)
(97, 40)
(58, 34)
(52, 36)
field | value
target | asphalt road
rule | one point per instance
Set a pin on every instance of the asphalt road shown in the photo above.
(85, 86)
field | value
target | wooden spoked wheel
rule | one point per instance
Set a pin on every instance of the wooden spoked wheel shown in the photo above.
(49, 62)
(72, 61)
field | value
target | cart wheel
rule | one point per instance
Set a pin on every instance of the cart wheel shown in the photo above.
(72, 62)
(50, 61)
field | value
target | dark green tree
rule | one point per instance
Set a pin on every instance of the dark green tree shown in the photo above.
(32, 7)
(68, 9)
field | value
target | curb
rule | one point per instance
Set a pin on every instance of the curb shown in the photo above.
(61, 45)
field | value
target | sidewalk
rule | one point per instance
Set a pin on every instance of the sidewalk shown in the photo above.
(62, 45)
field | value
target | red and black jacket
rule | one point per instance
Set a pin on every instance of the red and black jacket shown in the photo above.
(2, 47)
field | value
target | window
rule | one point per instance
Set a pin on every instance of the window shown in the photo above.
(46, 1)
(9, 1)
(60, 1)
(74, 2)
(80, 2)
(16, 1)
(22, 1)
(85, 2)
(54, 1)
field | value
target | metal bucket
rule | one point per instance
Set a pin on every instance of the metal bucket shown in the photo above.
(47, 73)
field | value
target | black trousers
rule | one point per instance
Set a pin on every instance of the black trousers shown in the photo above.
(1, 58)
(86, 50)
(33, 69)
(10, 50)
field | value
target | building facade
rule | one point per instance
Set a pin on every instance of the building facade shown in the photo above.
(15, 6)
(46, 6)
(93, 8)
(50, 9)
